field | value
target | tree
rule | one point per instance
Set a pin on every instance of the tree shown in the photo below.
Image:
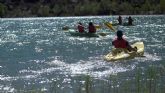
(114, 7)
(3, 10)
(162, 6)
(44, 11)
(146, 6)
(126, 8)
(56, 10)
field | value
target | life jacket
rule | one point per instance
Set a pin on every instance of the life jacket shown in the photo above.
(120, 43)
(80, 28)
(92, 29)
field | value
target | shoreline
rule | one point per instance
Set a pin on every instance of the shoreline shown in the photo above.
(58, 8)
(61, 17)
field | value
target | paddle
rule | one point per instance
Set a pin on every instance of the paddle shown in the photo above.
(97, 26)
(109, 25)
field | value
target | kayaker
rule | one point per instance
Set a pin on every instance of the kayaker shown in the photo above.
(120, 42)
(119, 20)
(130, 20)
(91, 28)
(80, 28)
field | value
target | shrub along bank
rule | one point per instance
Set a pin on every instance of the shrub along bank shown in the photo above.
(46, 8)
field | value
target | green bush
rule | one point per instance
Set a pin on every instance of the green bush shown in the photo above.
(79, 7)
(162, 6)
(35, 8)
(146, 6)
(56, 10)
(44, 11)
(3, 10)
(126, 8)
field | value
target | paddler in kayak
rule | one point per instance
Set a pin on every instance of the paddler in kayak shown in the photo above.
(120, 42)
(80, 27)
(130, 20)
(91, 28)
(119, 20)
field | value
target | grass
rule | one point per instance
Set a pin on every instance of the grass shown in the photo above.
(151, 80)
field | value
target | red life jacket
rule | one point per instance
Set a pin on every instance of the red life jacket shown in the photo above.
(120, 43)
(80, 28)
(92, 29)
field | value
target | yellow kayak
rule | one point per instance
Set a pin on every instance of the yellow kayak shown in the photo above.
(120, 54)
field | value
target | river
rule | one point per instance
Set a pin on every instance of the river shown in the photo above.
(37, 55)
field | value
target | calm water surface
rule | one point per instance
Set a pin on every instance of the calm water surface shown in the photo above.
(35, 53)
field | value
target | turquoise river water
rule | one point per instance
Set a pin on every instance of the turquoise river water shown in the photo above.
(36, 54)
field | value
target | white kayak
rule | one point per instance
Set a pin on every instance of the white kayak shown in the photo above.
(121, 54)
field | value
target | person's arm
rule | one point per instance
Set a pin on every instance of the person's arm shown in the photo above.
(130, 48)
(113, 43)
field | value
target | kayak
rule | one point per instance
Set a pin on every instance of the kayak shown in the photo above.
(110, 25)
(115, 24)
(84, 34)
(126, 24)
(67, 27)
(122, 54)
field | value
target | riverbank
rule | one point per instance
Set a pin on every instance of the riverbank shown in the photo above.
(51, 8)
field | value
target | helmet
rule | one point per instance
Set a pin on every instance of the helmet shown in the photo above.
(90, 23)
(119, 33)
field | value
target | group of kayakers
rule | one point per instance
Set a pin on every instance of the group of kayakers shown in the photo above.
(91, 28)
(118, 42)
(130, 20)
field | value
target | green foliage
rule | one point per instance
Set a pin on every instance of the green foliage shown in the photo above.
(56, 10)
(2, 10)
(126, 8)
(157, 9)
(136, 10)
(146, 6)
(78, 7)
(35, 8)
(162, 5)
(95, 7)
(138, 78)
(88, 84)
(87, 9)
(114, 5)
(44, 11)
(105, 5)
